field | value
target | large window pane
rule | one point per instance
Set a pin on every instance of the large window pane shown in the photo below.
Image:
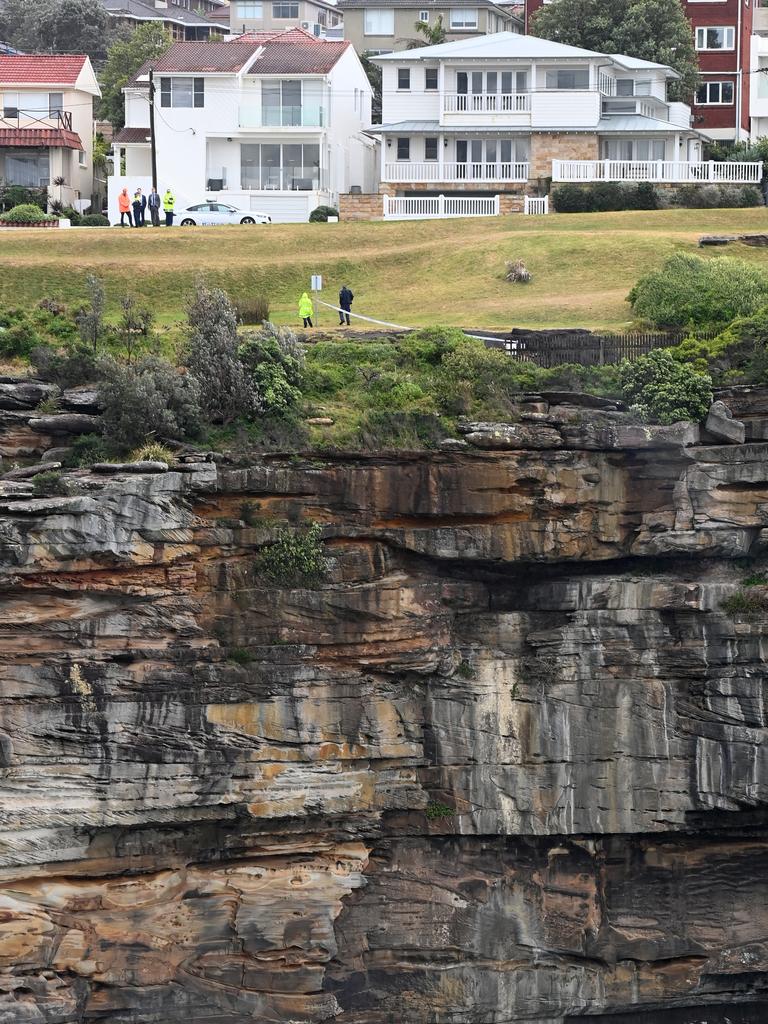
(270, 166)
(271, 93)
(250, 165)
(379, 22)
(292, 103)
(28, 168)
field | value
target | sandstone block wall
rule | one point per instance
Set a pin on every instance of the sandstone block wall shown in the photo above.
(545, 148)
(364, 206)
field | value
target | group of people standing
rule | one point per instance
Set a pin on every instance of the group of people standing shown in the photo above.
(306, 309)
(141, 203)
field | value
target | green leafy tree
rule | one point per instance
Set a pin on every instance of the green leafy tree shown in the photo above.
(655, 30)
(126, 55)
(373, 72)
(431, 35)
(57, 26)
(663, 390)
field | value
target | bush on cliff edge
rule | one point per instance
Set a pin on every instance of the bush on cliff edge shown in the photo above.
(663, 390)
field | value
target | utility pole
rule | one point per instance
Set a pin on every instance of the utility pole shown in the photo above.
(152, 128)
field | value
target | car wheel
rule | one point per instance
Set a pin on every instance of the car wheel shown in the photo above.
(187, 223)
(247, 220)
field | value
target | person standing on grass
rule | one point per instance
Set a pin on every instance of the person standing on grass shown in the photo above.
(124, 206)
(139, 205)
(345, 302)
(154, 206)
(305, 309)
(169, 202)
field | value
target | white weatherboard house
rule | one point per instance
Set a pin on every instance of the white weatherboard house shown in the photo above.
(496, 114)
(271, 122)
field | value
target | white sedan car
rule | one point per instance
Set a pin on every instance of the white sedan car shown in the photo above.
(213, 213)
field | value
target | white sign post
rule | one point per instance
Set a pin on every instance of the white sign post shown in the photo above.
(316, 286)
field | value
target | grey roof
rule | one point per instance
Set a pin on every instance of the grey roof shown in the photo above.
(606, 125)
(510, 45)
(639, 123)
(145, 12)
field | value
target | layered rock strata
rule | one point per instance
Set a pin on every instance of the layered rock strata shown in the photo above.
(507, 763)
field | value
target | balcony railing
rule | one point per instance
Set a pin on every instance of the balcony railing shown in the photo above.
(486, 103)
(433, 171)
(14, 117)
(424, 207)
(606, 84)
(705, 172)
(307, 116)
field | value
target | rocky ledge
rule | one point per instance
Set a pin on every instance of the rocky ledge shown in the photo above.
(507, 763)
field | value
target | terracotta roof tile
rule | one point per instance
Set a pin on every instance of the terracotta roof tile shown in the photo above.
(34, 67)
(206, 57)
(135, 135)
(52, 138)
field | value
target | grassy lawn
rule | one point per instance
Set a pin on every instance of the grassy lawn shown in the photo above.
(415, 273)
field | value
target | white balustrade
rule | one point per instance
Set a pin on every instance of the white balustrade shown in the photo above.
(434, 171)
(684, 172)
(423, 207)
(536, 205)
(486, 103)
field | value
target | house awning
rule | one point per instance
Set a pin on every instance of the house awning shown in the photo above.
(49, 138)
(132, 137)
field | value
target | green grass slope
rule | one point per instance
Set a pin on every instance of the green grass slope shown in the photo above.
(412, 272)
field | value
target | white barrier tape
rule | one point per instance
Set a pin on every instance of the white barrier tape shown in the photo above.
(397, 327)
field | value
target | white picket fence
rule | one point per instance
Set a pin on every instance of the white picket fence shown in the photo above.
(536, 204)
(421, 207)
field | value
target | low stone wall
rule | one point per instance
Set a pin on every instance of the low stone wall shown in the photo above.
(456, 188)
(360, 206)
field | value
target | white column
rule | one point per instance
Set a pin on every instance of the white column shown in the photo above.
(676, 157)
(383, 157)
(440, 157)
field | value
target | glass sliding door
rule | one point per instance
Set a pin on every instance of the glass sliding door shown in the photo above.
(290, 166)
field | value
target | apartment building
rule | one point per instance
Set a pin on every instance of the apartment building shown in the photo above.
(320, 19)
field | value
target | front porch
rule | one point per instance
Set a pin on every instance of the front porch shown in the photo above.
(455, 158)
(658, 171)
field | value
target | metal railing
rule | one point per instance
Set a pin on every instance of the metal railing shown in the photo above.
(423, 207)
(486, 103)
(14, 117)
(704, 172)
(434, 171)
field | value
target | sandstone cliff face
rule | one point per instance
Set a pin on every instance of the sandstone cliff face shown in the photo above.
(507, 764)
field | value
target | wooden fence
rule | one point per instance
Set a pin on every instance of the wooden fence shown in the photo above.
(584, 349)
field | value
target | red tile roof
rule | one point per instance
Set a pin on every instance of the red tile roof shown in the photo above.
(51, 138)
(39, 67)
(201, 57)
(283, 57)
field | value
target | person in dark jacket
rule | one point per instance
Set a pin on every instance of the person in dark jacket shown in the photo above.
(139, 206)
(154, 206)
(345, 302)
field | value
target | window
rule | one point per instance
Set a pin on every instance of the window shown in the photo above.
(28, 167)
(55, 103)
(249, 9)
(710, 37)
(81, 157)
(182, 92)
(10, 104)
(379, 22)
(625, 87)
(633, 149)
(291, 167)
(430, 79)
(291, 102)
(403, 149)
(715, 93)
(424, 17)
(565, 78)
(464, 18)
(285, 10)
(430, 149)
(403, 78)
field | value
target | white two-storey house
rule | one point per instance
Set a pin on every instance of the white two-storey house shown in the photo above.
(272, 122)
(503, 112)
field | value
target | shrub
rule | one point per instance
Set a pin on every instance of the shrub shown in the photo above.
(86, 450)
(296, 558)
(94, 220)
(742, 603)
(50, 484)
(226, 390)
(90, 318)
(740, 352)
(153, 451)
(322, 213)
(755, 579)
(403, 430)
(604, 196)
(688, 289)
(642, 197)
(436, 811)
(473, 375)
(254, 310)
(26, 213)
(663, 390)
(18, 195)
(239, 655)
(150, 397)
(274, 359)
(570, 199)
(710, 197)
(78, 364)
(18, 340)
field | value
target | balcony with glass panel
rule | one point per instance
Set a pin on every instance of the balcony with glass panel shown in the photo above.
(286, 104)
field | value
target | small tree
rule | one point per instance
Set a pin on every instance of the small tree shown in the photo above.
(663, 390)
(90, 319)
(227, 390)
(147, 399)
(431, 35)
(126, 55)
(134, 327)
(275, 359)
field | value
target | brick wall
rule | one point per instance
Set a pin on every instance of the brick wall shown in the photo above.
(546, 148)
(357, 206)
